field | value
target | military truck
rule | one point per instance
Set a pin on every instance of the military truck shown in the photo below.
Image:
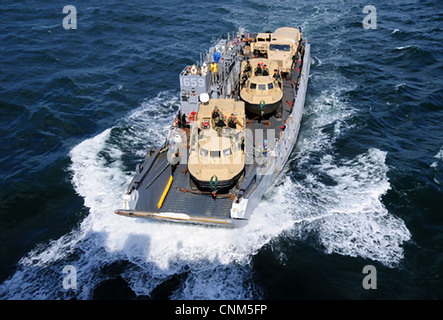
(283, 48)
(261, 44)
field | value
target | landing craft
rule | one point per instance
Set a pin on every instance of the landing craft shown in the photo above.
(216, 163)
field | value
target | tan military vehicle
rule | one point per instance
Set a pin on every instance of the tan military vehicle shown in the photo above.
(262, 93)
(216, 157)
(283, 47)
(261, 44)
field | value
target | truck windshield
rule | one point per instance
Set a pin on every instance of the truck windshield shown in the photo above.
(280, 47)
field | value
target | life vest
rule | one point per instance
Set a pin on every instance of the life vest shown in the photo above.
(192, 116)
(213, 67)
(220, 124)
(264, 150)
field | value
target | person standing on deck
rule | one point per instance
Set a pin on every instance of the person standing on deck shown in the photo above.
(258, 70)
(233, 121)
(204, 69)
(265, 148)
(265, 71)
(277, 77)
(248, 68)
(214, 115)
(244, 79)
(173, 155)
(214, 72)
(214, 66)
(219, 125)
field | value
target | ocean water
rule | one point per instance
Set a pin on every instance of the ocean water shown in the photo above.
(78, 108)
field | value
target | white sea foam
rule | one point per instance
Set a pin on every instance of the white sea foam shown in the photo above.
(400, 86)
(435, 165)
(352, 219)
(403, 47)
(316, 61)
(439, 157)
(341, 200)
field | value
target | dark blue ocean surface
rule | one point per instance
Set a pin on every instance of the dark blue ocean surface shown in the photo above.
(78, 108)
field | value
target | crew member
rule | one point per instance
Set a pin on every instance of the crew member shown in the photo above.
(265, 71)
(194, 70)
(214, 72)
(244, 78)
(173, 155)
(248, 67)
(219, 125)
(170, 145)
(193, 98)
(277, 77)
(204, 69)
(258, 70)
(265, 148)
(215, 114)
(233, 121)
(302, 51)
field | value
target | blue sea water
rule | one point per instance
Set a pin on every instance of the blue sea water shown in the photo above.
(363, 186)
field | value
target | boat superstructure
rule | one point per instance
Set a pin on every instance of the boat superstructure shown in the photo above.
(229, 140)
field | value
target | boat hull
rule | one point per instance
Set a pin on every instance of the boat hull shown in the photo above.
(222, 185)
(267, 108)
(184, 218)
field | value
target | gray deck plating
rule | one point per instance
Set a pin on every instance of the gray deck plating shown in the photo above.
(193, 202)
